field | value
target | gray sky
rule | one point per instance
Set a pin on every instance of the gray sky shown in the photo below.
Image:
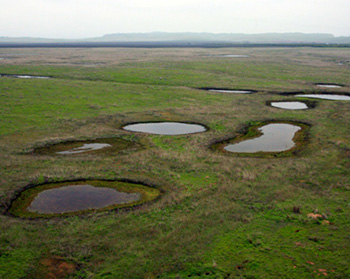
(94, 18)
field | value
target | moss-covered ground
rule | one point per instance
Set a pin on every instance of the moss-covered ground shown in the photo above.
(218, 216)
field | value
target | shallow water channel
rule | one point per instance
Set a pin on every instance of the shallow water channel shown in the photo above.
(276, 137)
(79, 197)
(294, 105)
(326, 96)
(165, 128)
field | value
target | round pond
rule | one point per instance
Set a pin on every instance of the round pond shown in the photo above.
(165, 128)
(71, 198)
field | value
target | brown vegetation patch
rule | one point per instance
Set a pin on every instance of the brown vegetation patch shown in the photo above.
(56, 268)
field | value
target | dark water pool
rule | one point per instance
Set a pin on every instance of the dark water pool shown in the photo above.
(165, 128)
(78, 197)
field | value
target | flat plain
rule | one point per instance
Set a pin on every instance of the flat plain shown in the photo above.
(219, 215)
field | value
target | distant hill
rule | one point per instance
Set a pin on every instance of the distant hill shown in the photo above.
(187, 38)
(227, 37)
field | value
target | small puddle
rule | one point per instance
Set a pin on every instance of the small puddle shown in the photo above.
(234, 55)
(325, 85)
(275, 137)
(325, 96)
(165, 128)
(107, 145)
(69, 198)
(78, 197)
(293, 105)
(24, 76)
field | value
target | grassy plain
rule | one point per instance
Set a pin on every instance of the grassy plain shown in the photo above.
(219, 216)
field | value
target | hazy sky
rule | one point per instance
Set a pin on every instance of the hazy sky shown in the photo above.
(94, 18)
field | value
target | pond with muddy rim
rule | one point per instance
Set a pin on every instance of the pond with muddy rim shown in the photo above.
(165, 128)
(267, 139)
(80, 197)
(103, 145)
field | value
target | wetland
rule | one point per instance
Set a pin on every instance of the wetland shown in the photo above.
(210, 212)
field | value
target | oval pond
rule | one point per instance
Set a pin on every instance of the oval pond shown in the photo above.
(336, 97)
(325, 85)
(293, 105)
(165, 128)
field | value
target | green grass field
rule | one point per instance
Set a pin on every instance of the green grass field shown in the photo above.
(219, 215)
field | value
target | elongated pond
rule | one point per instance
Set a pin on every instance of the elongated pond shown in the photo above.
(294, 105)
(24, 76)
(275, 137)
(64, 198)
(165, 128)
(232, 91)
(234, 55)
(326, 96)
(325, 85)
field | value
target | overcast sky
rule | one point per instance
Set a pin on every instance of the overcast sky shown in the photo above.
(94, 18)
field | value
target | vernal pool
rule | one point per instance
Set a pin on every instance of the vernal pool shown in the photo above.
(325, 85)
(231, 91)
(326, 96)
(275, 137)
(78, 197)
(67, 198)
(85, 148)
(24, 76)
(103, 145)
(294, 105)
(165, 128)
